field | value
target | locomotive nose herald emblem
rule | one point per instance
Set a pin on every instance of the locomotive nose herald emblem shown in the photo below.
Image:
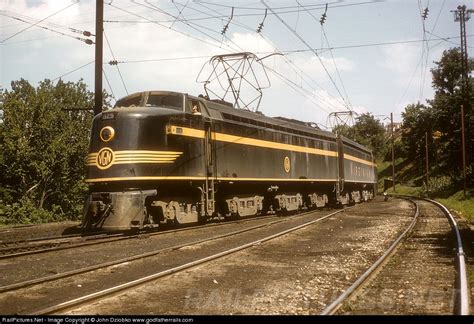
(286, 164)
(105, 157)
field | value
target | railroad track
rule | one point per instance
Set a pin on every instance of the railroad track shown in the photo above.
(23, 247)
(287, 224)
(396, 288)
(184, 259)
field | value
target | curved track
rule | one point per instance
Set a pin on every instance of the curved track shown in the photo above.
(419, 281)
(81, 292)
(277, 228)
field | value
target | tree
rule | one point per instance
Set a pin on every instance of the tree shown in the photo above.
(344, 130)
(367, 131)
(44, 145)
(417, 121)
(370, 132)
(450, 93)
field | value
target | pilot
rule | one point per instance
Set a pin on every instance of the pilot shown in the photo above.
(196, 110)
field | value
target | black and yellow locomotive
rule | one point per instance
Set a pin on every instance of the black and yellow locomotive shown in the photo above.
(166, 157)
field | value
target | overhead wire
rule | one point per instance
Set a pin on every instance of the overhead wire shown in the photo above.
(413, 76)
(314, 6)
(330, 51)
(424, 51)
(110, 86)
(292, 65)
(437, 18)
(72, 71)
(337, 69)
(309, 47)
(295, 87)
(113, 57)
(179, 11)
(289, 51)
(165, 59)
(288, 61)
(224, 36)
(28, 19)
(87, 41)
(39, 21)
(184, 21)
(447, 39)
(161, 25)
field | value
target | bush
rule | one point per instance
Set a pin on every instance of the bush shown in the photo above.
(444, 186)
(25, 212)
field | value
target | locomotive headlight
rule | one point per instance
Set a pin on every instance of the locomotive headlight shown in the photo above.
(107, 133)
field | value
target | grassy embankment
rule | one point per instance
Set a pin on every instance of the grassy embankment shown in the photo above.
(462, 205)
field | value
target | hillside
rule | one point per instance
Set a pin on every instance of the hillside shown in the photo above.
(411, 180)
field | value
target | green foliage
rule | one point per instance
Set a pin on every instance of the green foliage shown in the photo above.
(43, 148)
(451, 93)
(370, 132)
(344, 130)
(405, 190)
(462, 204)
(417, 121)
(367, 131)
(439, 123)
(438, 186)
(26, 212)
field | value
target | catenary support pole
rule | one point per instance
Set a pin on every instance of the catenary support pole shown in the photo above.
(99, 32)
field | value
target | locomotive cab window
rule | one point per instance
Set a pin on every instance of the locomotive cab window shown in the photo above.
(170, 101)
(130, 101)
(195, 107)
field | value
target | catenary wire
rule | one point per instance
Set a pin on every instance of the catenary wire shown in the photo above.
(74, 70)
(39, 21)
(309, 47)
(113, 57)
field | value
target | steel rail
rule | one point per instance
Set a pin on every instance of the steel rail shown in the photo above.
(125, 236)
(462, 289)
(58, 248)
(134, 283)
(106, 238)
(52, 238)
(337, 303)
(66, 274)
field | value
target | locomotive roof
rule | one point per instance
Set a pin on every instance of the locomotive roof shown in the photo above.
(356, 145)
(228, 112)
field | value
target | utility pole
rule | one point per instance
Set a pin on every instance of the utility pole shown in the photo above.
(99, 32)
(463, 151)
(462, 14)
(393, 152)
(427, 164)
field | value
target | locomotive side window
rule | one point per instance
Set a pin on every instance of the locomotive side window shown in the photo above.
(171, 101)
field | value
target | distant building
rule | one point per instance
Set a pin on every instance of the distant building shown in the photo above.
(396, 127)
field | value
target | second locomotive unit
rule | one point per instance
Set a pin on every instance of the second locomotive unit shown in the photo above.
(153, 160)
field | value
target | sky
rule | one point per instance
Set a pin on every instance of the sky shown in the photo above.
(368, 56)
